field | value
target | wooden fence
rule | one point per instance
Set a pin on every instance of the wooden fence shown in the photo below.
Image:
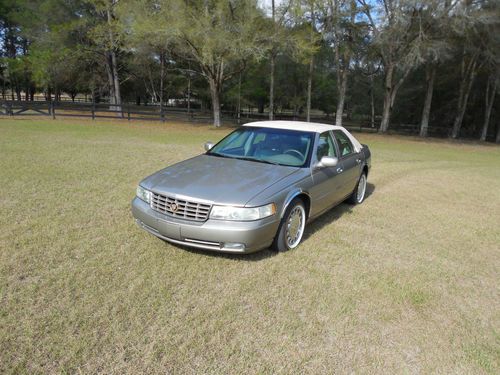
(156, 113)
(96, 110)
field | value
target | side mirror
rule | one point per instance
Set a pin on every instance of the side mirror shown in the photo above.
(208, 146)
(327, 162)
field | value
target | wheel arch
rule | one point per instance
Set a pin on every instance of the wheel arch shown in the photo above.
(365, 170)
(303, 195)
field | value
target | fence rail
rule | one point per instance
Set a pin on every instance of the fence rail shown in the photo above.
(166, 113)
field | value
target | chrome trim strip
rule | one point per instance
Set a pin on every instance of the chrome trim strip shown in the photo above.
(202, 242)
(185, 243)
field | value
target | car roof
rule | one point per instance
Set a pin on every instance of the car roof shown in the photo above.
(295, 125)
(306, 127)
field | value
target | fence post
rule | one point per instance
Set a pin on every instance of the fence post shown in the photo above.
(93, 108)
(162, 114)
(128, 112)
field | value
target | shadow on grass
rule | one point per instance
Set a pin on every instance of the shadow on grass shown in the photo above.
(325, 219)
(333, 214)
(259, 255)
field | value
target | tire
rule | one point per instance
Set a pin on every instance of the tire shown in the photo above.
(293, 220)
(359, 193)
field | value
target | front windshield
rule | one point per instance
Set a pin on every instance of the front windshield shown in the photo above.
(266, 145)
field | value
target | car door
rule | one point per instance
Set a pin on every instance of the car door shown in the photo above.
(349, 161)
(326, 185)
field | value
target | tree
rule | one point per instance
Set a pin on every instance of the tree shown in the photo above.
(431, 48)
(276, 42)
(491, 58)
(489, 99)
(304, 41)
(393, 36)
(105, 34)
(215, 36)
(343, 34)
(312, 41)
(475, 29)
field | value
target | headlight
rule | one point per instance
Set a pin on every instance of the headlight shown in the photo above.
(242, 213)
(143, 194)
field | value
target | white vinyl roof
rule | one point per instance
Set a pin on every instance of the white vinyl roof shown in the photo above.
(295, 125)
(306, 127)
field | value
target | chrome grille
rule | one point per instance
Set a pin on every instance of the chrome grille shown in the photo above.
(180, 208)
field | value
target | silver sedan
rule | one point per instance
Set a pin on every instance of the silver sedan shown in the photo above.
(256, 188)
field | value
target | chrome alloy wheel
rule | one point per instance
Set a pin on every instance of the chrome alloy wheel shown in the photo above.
(360, 194)
(295, 226)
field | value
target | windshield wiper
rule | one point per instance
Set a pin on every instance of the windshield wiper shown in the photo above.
(259, 160)
(219, 155)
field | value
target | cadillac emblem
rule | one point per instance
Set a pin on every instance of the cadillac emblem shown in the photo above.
(174, 207)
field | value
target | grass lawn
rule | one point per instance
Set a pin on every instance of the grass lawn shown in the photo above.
(407, 282)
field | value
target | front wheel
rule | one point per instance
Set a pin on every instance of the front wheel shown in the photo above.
(358, 195)
(291, 228)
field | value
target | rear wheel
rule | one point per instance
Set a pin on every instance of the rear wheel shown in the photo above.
(292, 227)
(358, 195)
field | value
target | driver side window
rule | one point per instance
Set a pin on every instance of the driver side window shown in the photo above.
(326, 147)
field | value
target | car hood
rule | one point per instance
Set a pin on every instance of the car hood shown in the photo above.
(216, 179)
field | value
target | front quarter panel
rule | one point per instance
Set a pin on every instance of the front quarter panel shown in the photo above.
(284, 191)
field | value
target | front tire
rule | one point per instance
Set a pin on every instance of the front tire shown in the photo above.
(291, 228)
(358, 195)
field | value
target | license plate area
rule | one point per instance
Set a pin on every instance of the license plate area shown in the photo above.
(170, 230)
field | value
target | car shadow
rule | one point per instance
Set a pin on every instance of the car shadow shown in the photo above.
(311, 228)
(334, 214)
(259, 255)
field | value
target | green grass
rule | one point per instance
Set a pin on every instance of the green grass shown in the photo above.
(407, 282)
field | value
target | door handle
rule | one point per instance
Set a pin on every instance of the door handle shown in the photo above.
(358, 161)
(340, 170)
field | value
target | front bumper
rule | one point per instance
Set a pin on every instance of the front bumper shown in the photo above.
(215, 235)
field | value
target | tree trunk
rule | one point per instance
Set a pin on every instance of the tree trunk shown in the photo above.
(386, 112)
(311, 69)
(109, 72)
(497, 140)
(113, 63)
(424, 124)
(238, 107)
(271, 86)
(162, 73)
(391, 91)
(372, 103)
(215, 95)
(116, 81)
(342, 88)
(491, 88)
(342, 62)
(189, 93)
(273, 63)
(468, 76)
(309, 89)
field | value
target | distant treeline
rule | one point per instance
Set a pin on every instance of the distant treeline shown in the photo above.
(434, 64)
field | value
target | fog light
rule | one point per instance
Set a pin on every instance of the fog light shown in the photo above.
(234, 246)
